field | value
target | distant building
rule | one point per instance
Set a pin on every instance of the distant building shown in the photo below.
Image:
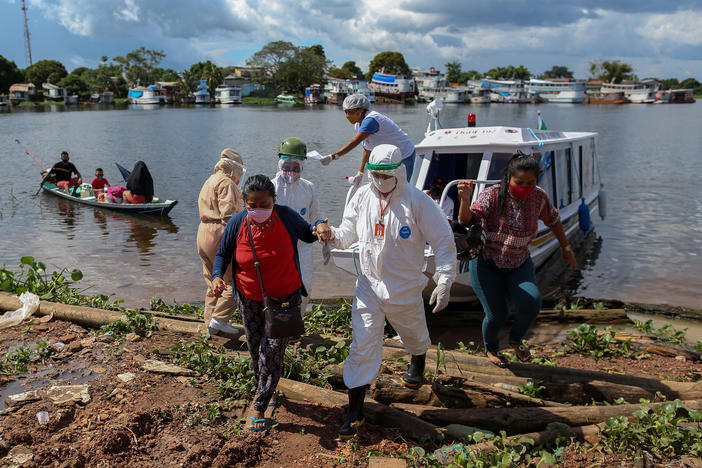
(248, 73)
(53, 92)
(21, 92)
(247, 86)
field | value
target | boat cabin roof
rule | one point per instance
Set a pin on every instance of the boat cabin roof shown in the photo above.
(496, 136)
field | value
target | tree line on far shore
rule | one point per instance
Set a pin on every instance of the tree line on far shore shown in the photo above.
(285, 67)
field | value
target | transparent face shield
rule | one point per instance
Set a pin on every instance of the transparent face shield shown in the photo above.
(290, 168)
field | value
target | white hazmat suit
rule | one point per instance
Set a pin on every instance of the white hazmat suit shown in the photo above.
(391, 277)
(301, 196)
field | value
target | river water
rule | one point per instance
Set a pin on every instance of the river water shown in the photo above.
(650, 156)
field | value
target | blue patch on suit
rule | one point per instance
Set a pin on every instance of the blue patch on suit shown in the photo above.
(303, 211)
(405, 232)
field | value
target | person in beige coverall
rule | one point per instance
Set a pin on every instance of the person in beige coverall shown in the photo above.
(219, 199)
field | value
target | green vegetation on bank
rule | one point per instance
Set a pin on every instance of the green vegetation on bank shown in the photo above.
(666, 430)
(258, 101)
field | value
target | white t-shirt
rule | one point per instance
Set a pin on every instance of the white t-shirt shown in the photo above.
(386, 132)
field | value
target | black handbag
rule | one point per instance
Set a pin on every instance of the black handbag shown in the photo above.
(282, 316)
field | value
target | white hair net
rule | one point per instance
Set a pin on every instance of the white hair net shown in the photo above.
(355, 101)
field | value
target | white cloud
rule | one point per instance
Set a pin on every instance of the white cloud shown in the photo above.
(682, 27)
(130, 12)
(479, 34)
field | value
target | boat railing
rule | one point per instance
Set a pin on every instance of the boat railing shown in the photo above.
(479, 185)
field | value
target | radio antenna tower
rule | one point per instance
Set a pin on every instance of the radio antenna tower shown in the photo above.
(27, 45)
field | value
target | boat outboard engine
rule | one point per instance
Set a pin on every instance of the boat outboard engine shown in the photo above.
(584, 215)
(469, 242)
(602, 195)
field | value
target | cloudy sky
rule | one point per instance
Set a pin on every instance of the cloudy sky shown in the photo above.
(659, 38)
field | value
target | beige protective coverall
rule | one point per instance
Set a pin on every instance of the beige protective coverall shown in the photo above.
(219, 199)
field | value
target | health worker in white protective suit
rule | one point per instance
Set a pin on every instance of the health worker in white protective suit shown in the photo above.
(392, 221)
(300, 195)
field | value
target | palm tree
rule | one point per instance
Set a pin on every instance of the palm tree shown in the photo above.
(214, 77)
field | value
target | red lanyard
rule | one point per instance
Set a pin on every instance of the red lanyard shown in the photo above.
(383, 210)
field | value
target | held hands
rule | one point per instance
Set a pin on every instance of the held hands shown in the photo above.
(465, 190)
(569, 257)
(323, 233)
(440, 297)
(326, 160)
(218, 287)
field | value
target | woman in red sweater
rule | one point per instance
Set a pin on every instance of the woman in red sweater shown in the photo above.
(276, 230)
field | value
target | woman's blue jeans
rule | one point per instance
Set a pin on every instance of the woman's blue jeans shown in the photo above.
(492, 285)
(409, 165)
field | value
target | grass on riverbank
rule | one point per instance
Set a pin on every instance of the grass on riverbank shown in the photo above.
(258, 101)
(30, 104)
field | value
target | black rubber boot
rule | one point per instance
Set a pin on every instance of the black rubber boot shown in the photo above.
(414, 376)
(355, 418)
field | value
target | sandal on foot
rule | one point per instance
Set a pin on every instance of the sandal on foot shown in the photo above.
(522, 352)
(498, 359)
(257, 421)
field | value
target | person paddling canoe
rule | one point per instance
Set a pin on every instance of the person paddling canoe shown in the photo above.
(62, 172)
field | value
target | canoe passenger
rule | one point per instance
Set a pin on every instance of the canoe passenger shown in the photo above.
(220, 198)
(509, 213)
(62, 172)
(300, 195)
(392, 221)
(373, 129)
(99, 182)
(276, 230)
(140, 185)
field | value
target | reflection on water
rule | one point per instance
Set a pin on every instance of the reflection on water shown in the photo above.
(651, 241)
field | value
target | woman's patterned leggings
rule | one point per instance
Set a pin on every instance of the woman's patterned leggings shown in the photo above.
(266, 353)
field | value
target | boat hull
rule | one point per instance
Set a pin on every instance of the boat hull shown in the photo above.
(153, 208)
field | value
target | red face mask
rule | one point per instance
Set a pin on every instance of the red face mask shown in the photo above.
(520, 192)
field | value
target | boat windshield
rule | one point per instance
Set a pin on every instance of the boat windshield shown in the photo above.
(446, 167)
(498, 164)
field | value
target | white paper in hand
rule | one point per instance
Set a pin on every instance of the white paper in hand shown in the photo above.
(314, 155)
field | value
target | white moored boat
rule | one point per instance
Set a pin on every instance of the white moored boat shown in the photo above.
(142, 95)
(202, 95)
(228, 94)
(510, 91)
(635, 92)
(558, 90)
(570, 176)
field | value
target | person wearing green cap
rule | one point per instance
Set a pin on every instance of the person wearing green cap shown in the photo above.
(300, 195)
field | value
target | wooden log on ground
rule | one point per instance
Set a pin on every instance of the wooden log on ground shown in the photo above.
(464, 365)
(522, 420)
(580, 433)
(608, 316)
(669, 351)
(389, 389)
(407, 423)
(577, 393)
(94, 318)
(508, 395)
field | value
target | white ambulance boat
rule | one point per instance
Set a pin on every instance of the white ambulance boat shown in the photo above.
(570, 176)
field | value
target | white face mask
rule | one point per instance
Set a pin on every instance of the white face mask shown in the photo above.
(384, 185)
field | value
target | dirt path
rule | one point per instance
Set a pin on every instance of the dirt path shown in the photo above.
(138, 418)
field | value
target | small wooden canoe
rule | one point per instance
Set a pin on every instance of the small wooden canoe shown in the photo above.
(157, 207)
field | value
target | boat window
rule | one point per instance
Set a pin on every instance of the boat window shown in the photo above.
(547, 173)
(497, 165)
(562, 179)
(451, 166)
